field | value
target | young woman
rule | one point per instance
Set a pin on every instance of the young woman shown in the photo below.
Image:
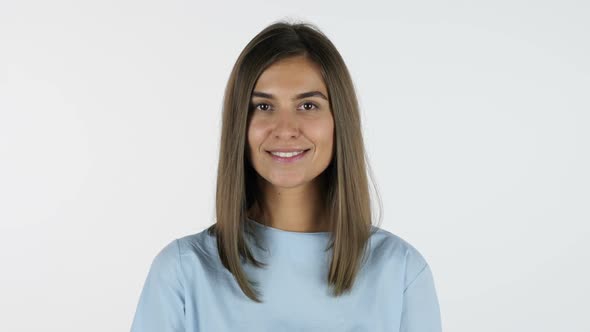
(293, 247)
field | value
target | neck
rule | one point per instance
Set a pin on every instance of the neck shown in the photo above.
(298, 209)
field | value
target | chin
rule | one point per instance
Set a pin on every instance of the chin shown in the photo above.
(287, 185)
(286, 182)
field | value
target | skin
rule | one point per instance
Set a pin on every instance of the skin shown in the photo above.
(291, 195)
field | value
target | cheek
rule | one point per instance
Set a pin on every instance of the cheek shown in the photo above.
(255, 135)
(323, 133)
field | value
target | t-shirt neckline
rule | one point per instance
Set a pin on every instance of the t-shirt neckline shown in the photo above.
(282, 232)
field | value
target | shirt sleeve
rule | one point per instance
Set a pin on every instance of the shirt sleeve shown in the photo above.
(421, 312)
(161, 303)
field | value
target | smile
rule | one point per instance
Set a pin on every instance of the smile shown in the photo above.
(288, 157)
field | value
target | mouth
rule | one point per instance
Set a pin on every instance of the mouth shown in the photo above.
(288, 158)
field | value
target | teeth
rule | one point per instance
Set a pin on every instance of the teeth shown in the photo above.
(286, 154)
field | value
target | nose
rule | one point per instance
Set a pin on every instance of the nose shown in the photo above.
(286, 125)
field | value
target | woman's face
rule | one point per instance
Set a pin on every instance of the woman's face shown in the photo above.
(283, 121)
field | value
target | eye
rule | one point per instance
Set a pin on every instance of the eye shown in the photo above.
(256, 106)
(309, 108)
(310, 103)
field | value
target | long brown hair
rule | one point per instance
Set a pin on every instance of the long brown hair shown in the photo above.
(345, 186)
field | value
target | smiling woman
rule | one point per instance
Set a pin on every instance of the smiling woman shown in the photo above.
(293, 247)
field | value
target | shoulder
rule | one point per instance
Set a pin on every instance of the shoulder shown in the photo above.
(167, 257)
(200, 243)
(398, 252)
(175, 253)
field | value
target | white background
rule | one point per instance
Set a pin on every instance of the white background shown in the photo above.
(476, 121)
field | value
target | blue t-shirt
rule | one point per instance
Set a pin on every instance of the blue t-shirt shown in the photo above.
(188, 289)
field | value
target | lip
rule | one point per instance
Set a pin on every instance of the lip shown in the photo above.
(288, 160)
(287, 150)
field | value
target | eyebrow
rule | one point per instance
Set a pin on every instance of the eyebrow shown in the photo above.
(299, 96)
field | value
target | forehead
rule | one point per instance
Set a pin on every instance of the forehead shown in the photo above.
(291, 75)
